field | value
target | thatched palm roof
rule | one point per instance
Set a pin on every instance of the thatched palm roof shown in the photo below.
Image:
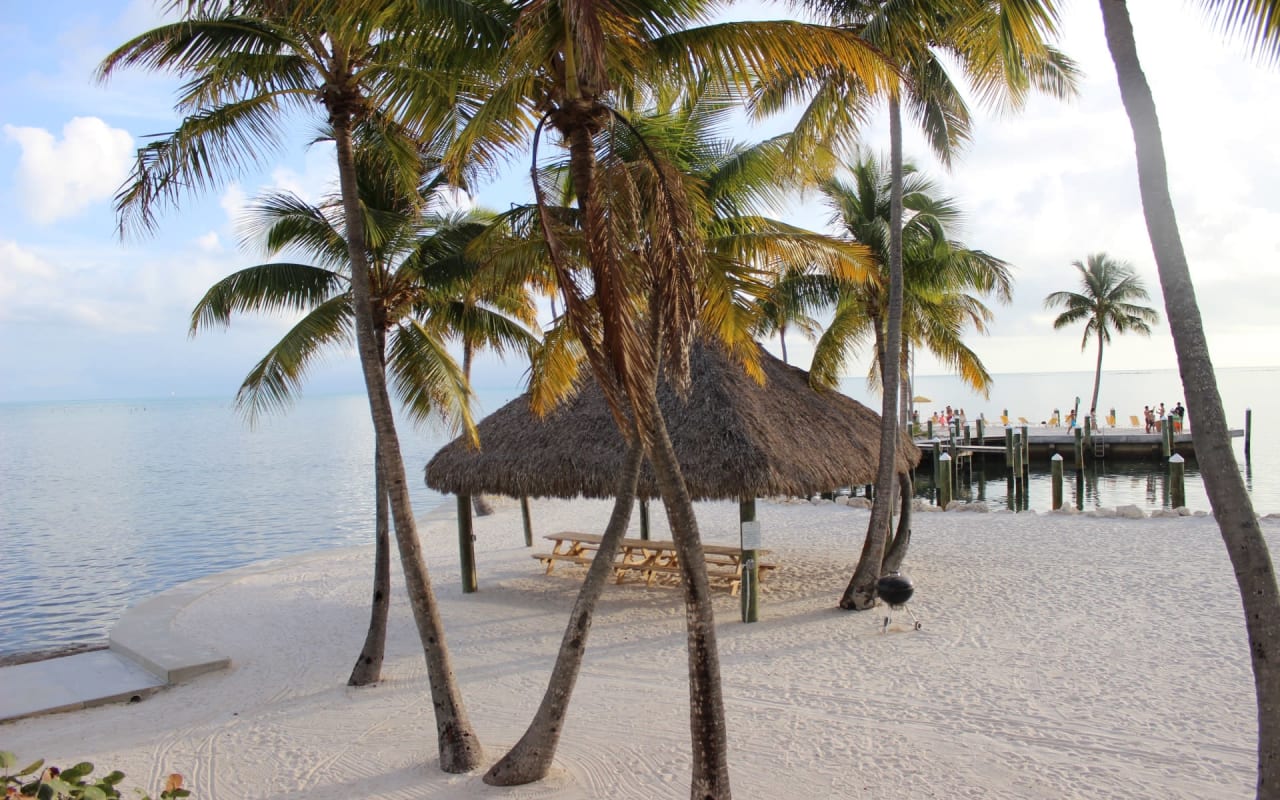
(734, 438)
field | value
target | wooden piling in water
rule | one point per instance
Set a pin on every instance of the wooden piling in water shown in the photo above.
(1177, 481)
(1079, 459)
(1248, 432)
(944, 480)
(1008, 447)
(1166, 438)
(1056, 467)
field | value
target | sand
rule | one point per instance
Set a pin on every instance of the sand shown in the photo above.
(1059, 657)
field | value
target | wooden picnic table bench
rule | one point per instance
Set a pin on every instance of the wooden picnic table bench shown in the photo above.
(647, 559)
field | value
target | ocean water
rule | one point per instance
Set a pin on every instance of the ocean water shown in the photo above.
(104, 504)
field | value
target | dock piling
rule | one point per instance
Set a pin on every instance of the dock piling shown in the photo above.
(1248, 432)
(1177, 481)
(944, 480)
(1056, 463)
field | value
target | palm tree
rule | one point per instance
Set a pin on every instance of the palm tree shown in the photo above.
(1241, 533)
(425, 294)
(248, 67)
(1001, 49)
(569, 67)
(939, 276)
(731, 181)
(1104, 304)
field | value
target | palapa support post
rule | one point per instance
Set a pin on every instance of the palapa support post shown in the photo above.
(1056, 468)
(644, 519)
(528, 522)
(944, 483)
(749, 537)
(466, 544)
(1166, 438)
(1079, 459)
(1177, 481)
(1248, 433)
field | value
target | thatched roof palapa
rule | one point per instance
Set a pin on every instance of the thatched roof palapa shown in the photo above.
(734, 438)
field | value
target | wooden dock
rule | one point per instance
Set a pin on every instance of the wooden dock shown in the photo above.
(1044, 442)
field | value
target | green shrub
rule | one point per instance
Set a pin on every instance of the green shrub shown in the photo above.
(73, 783)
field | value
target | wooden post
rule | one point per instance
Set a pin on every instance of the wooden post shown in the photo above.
(929, 429)
(1166, 438)
(944, 481)
(1080, 490)
(1008, 447)
(1018, 489)
(968, 434)
(466, 544)
(1088, 432)
(644, 519)
(937, 479)
(981, 431)
(1026, 449)
(1079, 459)
(1177, 481)
(1248, 432)
(528, 522)
(870, 491)
(1056, 467)
(749, 539)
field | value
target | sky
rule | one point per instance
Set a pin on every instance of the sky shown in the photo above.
(85, 315)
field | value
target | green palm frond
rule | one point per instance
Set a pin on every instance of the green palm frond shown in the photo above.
(1257, 22)
(428, 380)
(273, 381)
(281, 287)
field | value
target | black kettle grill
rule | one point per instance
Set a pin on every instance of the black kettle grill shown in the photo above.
(896, 589)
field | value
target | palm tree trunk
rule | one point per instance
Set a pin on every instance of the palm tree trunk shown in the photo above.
(902, 539)
(368, 668)
(457, 743)
(530, 760)
(1097, 383)
(782, 340)
(860, 594)
(1241, 533)
(709, 733)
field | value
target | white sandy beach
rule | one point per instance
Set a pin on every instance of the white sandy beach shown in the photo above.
(1059, 657)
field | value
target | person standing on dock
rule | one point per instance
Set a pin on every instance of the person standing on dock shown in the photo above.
(1149, 417)
(1178, 413)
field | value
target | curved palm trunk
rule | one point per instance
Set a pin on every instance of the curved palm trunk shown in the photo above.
(706, 705)
(1241, 533)
(860, 594)
(902, 539)
(782, 341)
(532, 756)
(458, 746)
(368, 668)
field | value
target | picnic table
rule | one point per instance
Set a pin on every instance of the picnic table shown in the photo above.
(649, 559)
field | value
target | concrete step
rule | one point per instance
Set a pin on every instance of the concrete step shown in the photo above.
(72, 682)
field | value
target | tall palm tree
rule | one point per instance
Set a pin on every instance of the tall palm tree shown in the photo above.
(249, 67)
(569, 67)
(733, 182)
(1104, 304)
(1000, 47)
(424, 294)
(1259, 21)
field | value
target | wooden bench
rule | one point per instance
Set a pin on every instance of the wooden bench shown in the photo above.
(648, 558)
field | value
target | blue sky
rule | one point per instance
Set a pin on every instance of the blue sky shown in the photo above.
(84, 315)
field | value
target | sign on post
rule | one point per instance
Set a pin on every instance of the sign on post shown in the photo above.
(751, 535)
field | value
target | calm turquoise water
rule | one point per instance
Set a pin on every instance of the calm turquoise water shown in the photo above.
(103, 504)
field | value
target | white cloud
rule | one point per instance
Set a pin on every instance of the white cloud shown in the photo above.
(233, 201)
(209, 242)
(60, 178)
